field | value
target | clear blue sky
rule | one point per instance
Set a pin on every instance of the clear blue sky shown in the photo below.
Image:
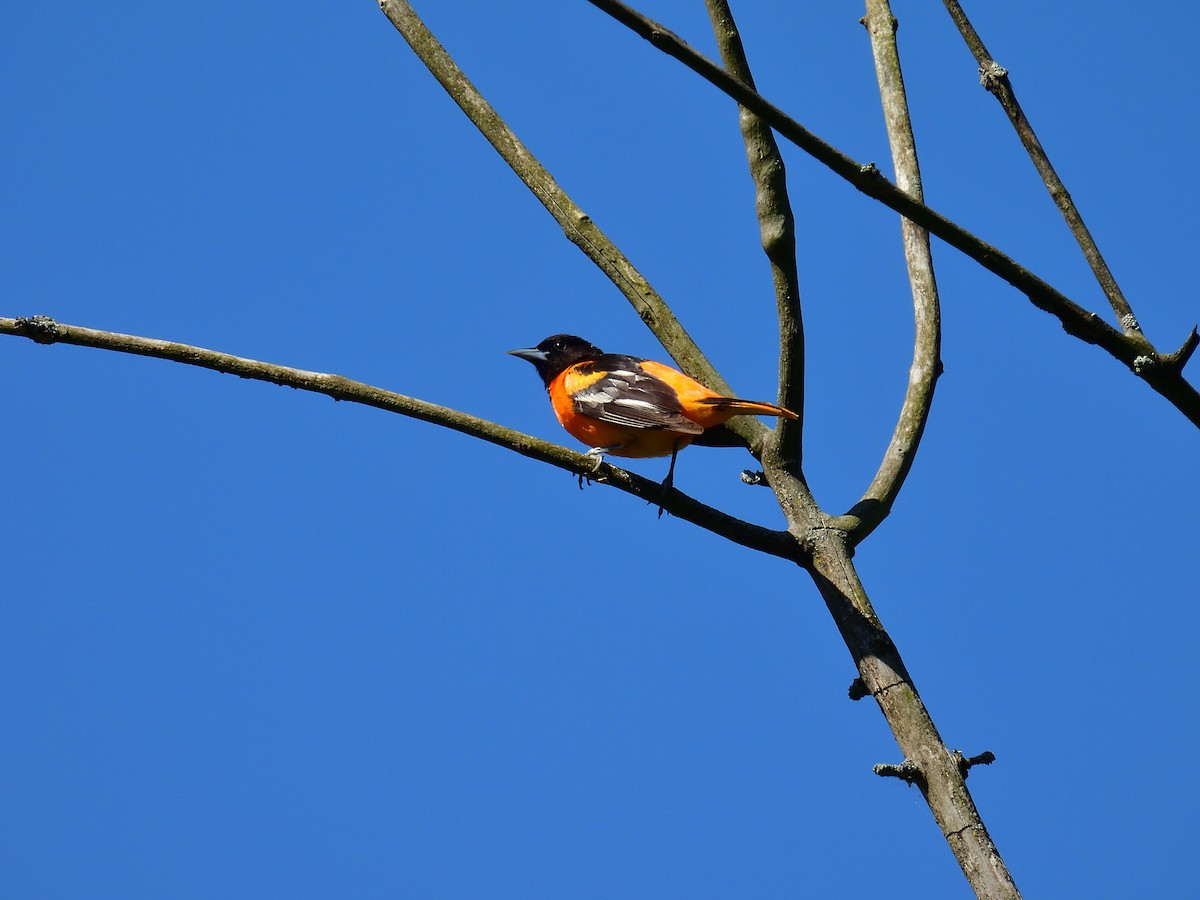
(256, 643)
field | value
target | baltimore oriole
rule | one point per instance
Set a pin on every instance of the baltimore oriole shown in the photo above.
(632, 407)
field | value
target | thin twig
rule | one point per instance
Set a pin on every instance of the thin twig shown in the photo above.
(1133, 352)
(926, 366)
(578, 226)
(994, 78)
(778, 231)
(44, 330)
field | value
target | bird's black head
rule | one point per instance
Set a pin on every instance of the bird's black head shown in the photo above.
(556, 353)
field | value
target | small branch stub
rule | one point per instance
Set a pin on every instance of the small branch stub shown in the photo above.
(966, 763)
(908, 771)
(1180, 357)
(858, 690)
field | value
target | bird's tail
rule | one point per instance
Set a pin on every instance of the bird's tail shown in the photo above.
(737, 407)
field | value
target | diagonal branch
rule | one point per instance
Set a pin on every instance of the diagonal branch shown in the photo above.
(577, 225)
(994, 78)
(44, 330)
(926, 366)
(1162, 372)
(778, 230)
(883, 675)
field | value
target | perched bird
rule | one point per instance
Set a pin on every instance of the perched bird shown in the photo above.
(631, 407)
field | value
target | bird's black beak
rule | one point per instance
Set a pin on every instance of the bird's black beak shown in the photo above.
(533, 354)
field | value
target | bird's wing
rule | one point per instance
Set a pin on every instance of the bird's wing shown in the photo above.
(616, 389)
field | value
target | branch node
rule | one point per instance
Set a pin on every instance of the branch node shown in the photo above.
(809, 540)
(992, 76)
(965, 763)
(754, 479)
(1144, 363)
(908, 771)
(894, 23)
(858, 690)
(40, 329)
(870, 170)
(661, 37)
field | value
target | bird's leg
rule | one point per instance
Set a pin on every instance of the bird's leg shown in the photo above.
(669, 481)
(596, 453)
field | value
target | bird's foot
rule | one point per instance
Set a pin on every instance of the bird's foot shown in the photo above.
(596, 453)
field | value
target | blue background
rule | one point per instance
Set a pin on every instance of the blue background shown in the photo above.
(256, 643)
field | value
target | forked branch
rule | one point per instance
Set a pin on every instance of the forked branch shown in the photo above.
(1087, 326)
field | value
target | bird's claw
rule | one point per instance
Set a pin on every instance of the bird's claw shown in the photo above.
(596, 453)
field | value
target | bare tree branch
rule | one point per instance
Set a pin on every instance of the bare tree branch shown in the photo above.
(930, 764)
(577, 225)
(778, 231)
(994, 78)
(44, 330)
(1161, 372)
(926, 366)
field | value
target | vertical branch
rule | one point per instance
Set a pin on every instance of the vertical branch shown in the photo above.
(777, 228)
(926, 366)
(927, 760)
(994, 78)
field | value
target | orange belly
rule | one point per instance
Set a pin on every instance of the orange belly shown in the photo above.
(636, 443)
